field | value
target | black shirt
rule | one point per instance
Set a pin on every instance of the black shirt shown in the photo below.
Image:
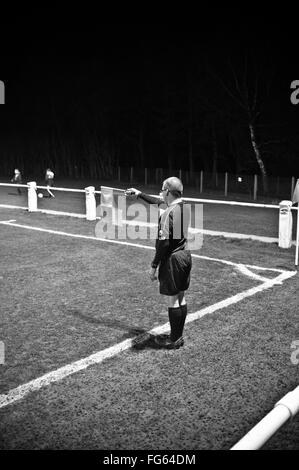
(172, 228)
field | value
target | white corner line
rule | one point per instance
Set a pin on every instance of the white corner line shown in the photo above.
(9, 206)
(54, 376)
(244, 270)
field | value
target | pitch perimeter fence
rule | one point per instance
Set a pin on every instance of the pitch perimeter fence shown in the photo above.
(220, 185)
(249, 186)
(86, 203)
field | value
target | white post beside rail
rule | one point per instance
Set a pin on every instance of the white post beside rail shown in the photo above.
(292, 186)
(297, 238)
(91, 210)
(285, 225)
(32, 197)
(284, 409)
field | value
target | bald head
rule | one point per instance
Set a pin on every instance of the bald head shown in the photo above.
(174, 185)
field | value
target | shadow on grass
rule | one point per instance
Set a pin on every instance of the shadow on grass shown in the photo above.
(146, 340)
(129, 331)
(142, 339)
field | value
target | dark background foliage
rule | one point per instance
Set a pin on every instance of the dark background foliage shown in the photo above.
(84, 96)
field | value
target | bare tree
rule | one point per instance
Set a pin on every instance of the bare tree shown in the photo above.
(246, 92)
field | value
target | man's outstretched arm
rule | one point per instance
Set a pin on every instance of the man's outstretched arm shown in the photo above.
(145, 197)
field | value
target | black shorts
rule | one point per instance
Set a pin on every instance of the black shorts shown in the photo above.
(174, 272)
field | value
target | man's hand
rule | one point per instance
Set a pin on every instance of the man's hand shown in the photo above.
(153, 275)
(132, 192)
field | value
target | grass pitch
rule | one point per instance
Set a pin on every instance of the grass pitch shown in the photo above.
(66, 298)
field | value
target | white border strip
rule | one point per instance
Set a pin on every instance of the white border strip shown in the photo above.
(244, 270)
(8, 206)
(213, 233)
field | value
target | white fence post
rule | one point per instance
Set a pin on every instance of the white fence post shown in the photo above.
(91, 210)
(285, 225)
(292, 186)
(255, 188)
(32, 197)
(201, 182)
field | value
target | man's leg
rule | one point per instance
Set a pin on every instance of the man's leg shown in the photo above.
(177, 312)
(182, 299)
(49, 191)
(177, 315)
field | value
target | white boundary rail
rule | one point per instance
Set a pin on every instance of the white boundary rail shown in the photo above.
(283, 410)
(90, 213)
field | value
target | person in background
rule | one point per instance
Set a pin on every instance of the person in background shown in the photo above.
(49, 179)
(17, 179)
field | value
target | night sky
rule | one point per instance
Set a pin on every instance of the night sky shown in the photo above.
(69, 77)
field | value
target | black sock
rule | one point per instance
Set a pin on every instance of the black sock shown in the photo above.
(177, 316)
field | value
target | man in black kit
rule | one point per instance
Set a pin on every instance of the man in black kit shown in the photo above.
(172, 258)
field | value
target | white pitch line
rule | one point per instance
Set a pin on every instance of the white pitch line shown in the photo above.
(260, 268)
(241, 236)
(8, 206)
(244, 270)
(237, 265)
(213, 233)
(47, 211)
(68, 214)
(75, 235)
(136, 245)
(242, 295)
(57, 375)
